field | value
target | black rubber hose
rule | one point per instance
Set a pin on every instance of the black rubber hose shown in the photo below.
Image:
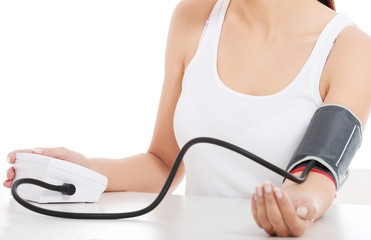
(68, 188)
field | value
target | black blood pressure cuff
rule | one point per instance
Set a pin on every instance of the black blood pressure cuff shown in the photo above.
(332, 138)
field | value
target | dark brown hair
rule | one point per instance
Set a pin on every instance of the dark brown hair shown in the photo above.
(328, 3)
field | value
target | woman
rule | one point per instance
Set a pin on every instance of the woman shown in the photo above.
(251, 72)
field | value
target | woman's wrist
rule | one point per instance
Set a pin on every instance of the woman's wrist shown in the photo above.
(319, 187)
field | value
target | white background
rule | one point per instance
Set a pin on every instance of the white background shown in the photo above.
(87, 75)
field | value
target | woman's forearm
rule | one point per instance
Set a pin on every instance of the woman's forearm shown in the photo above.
(318, 186)
(144, 172)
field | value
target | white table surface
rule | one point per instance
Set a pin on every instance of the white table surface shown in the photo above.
(177, 217)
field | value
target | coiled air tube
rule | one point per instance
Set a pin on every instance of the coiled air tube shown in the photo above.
(69, 188)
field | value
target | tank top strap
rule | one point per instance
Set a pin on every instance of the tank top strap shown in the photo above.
(323, 47)
(214, 22)
(218, 13)
(210, 33)
(327, 38)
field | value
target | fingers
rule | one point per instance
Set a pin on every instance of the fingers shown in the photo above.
(274, 212)
(295, 224)
(262, 211)
(59, 153)
(11, 156)
(254, 211)
(8, 183)
(268, 213)
(10, 174)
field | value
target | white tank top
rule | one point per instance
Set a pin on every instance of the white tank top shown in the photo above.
(269, 126)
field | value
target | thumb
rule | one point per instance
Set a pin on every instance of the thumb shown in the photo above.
(65, 154)
(307, 212)
(59, 152)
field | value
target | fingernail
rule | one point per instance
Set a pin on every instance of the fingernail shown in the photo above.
(278, 193)
(254, 196)
(259, 191)
(267, 188)
(36, 150)
(302, 211)
(8, 159)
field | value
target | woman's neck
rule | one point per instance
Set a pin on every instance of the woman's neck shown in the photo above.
(272, 18)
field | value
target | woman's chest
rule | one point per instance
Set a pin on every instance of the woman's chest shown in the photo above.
(251, 67)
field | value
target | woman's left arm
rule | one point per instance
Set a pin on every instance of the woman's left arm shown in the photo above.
(289, 211)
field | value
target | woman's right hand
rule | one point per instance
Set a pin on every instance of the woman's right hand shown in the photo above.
(59, 153)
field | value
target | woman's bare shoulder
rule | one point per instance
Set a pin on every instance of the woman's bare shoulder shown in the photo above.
(351, 53)
(194, 10)
(350, 72)
(188, 21)
(354, 36)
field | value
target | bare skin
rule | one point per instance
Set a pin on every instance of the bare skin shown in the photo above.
(276, 34)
